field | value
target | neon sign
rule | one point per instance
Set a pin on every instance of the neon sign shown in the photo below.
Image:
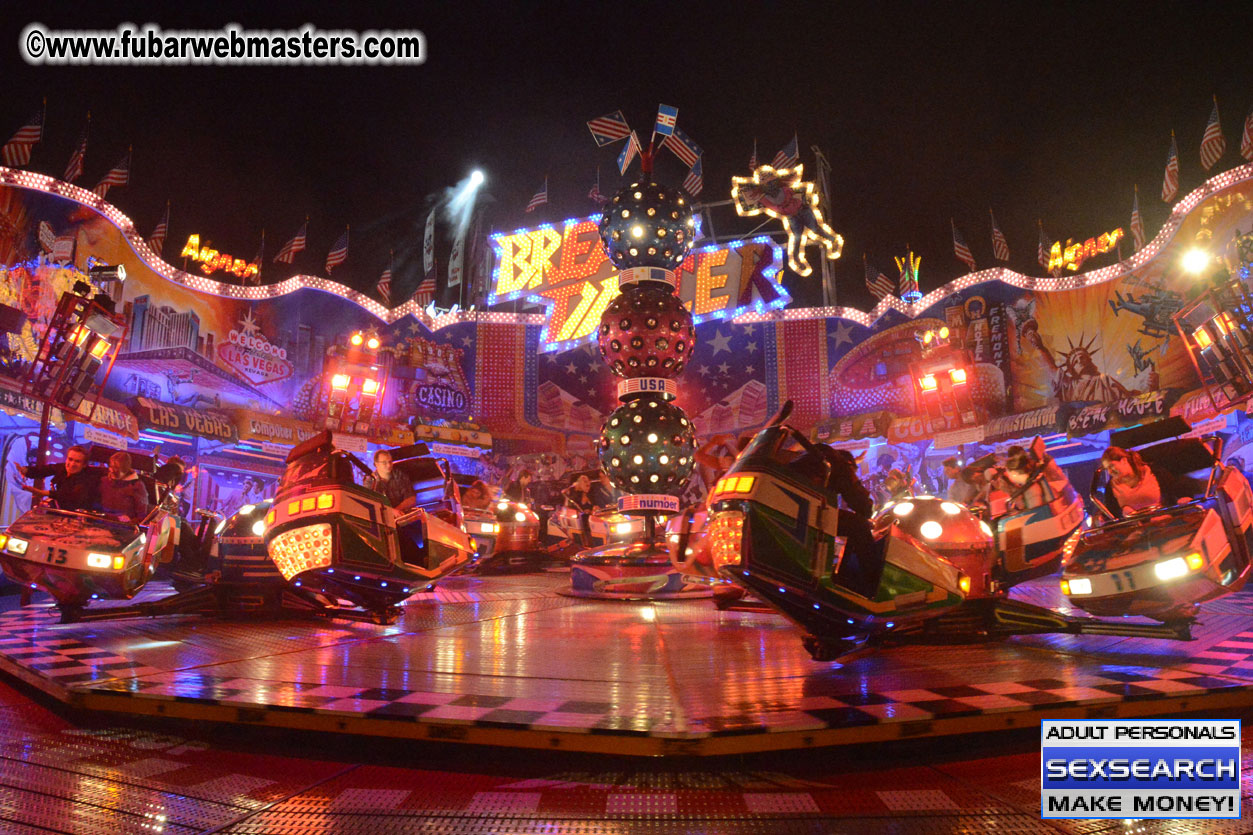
(782, 194)
(564, 268)
(211, 260)
(1073, 255)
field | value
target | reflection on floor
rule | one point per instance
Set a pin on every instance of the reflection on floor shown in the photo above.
(509, 661)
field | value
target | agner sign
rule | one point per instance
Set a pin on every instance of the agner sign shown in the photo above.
(211, 260)
(1073, 255)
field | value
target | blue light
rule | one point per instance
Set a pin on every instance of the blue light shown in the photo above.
(358, 577)
(297, 583)
(890, 624)
(330, 571)
(816, 606)
(782, 590)
(851, 621)
(383, 584)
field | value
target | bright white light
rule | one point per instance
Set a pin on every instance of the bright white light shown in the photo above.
(903, 509)
(983, 526)
(246, 509)
(476, 178)
(1081, 585)
(519, 517)
(502, 505)
(1171, 569)
(950, 508)
(258, 527)
(1196, 260)
(931, 530)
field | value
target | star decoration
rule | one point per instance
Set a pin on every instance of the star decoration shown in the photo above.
(249, 325)
(703, 371)
(414, 328)
(467, 341)
(724, 369)
(752, 347)
(571, 368)
(843, 333)
(748, 370)
(720, 343)
(582, 378)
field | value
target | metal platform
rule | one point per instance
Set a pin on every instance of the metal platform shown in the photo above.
(509, 661)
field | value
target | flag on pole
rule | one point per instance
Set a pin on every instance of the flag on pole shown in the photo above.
(594, 193)
(541, 196)
(681, 145)
(694, 182)
(259, 261)
(457, 261)
(1000, 246)
(156, 241)
(960, 249)
(1137, 224)
(17, 150)
(384, 285)
(119, 175)
(1212, 143)
(1042, 253)
(287, 253)
(609, 128)
(428, 250)
(74, 168)
(1170, 183)
(425, 294)
(338, 253)
(628, 153)
(788, 156)
(47, 238)
(877, 283)
(667, 117)
(752, 161)
(1246, 140)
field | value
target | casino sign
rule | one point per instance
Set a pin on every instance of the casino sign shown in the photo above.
(565, 269)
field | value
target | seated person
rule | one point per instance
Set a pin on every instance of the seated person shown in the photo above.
(519, 490)
(896, 485)
(578, 497)
(391, 482)
(478, 495)
(961, 485)
(1020, 466)
(603, 493)
(75, 486)
(862, 564)
(1133, 485)
(122, 493)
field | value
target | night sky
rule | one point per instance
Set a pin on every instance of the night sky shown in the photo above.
(926, 112)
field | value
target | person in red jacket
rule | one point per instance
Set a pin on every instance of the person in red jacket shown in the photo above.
(122, 492)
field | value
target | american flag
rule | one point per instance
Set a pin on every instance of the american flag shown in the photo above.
(1212, 143)
(156, 241)
(541, 196)
(1000, 246)
(609, 128)
(788, 156)
(594, 194)
(287, 254)
(1170, 183)
(47, 238)
(74, 168)
(877, 283)
(338, 253)
(628, 153)
(384, 286)
(694, 182)
(752, 161)
(683, 147)
(119, 175)
(960, 249)
(63, 248)
(1137, 224)
(17, 150)
(425, 293)
(1042, 253)
(258, 261)
(667, 117)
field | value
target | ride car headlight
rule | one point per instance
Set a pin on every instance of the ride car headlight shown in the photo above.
(963, 583)
(622, 528)
(519, 517)
(258, 527)
(246, 509)
(502, 505)
(931, 530)
(1078, 585)
(17, 546)
(1171, 569)
(903, 509)
(1195, 561)
(99, 560)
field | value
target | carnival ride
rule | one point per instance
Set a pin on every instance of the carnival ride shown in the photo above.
(1162, 562)
(923, 569)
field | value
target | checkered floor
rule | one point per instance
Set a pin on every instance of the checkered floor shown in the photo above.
(510, 653)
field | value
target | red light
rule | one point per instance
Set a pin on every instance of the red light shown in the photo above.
(370, 387)
(340, 381)
(928, 383)
(356, 338)
(958, 376)
(373, 344)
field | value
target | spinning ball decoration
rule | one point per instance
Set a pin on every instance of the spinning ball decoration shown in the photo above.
(647, 332)
(648, 446)
(647, 225)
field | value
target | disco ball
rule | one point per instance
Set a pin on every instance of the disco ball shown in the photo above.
(648, 446)
(646, 332)
(647, 225)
